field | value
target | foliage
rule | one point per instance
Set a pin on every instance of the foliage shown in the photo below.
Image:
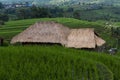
(2, 22)
(4, 17)
(76, 14)
(55, 62)
(23, 13)
(29, 12)
(66, 2)
(49, 63)
(38, 12)
(116, 34)
(1, 6)
(89, 12)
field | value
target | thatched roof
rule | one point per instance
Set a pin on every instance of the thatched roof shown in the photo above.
(43, 32)
(99, 41)
(84, 38)
(52, 32)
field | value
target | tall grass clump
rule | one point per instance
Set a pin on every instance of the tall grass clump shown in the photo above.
(48, 63)
(112, 62)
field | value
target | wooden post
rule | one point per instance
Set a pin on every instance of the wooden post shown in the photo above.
(1, 42)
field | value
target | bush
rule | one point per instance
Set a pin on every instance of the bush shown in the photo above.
(2, 22)
(4, 17)
(5, 43)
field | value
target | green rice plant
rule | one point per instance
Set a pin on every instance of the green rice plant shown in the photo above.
(42, 63)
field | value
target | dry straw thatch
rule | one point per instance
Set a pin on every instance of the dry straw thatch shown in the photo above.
(52, 32)
(84, 38)
(43, 32)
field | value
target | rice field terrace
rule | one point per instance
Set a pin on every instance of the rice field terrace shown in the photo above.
(54, 62)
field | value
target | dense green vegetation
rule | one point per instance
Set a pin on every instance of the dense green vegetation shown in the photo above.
(49, 63)
(103, 13)
(89, 12)
(45, 62)
(66, 2)
(56, 62)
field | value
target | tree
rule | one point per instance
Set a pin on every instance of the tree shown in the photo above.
(23, 13)
(1, 22)
(1, 6)
(38, 12)
(4, 17)
(116, 34)
(76, 14)
(70, 10)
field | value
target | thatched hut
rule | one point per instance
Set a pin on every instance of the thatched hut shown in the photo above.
(1, 41)
(43, 32)
(52, 32)
(83, 38)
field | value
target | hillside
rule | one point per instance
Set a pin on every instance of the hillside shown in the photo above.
(66, 2)
(55, 62)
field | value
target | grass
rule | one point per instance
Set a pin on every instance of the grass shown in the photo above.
(56, 63)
